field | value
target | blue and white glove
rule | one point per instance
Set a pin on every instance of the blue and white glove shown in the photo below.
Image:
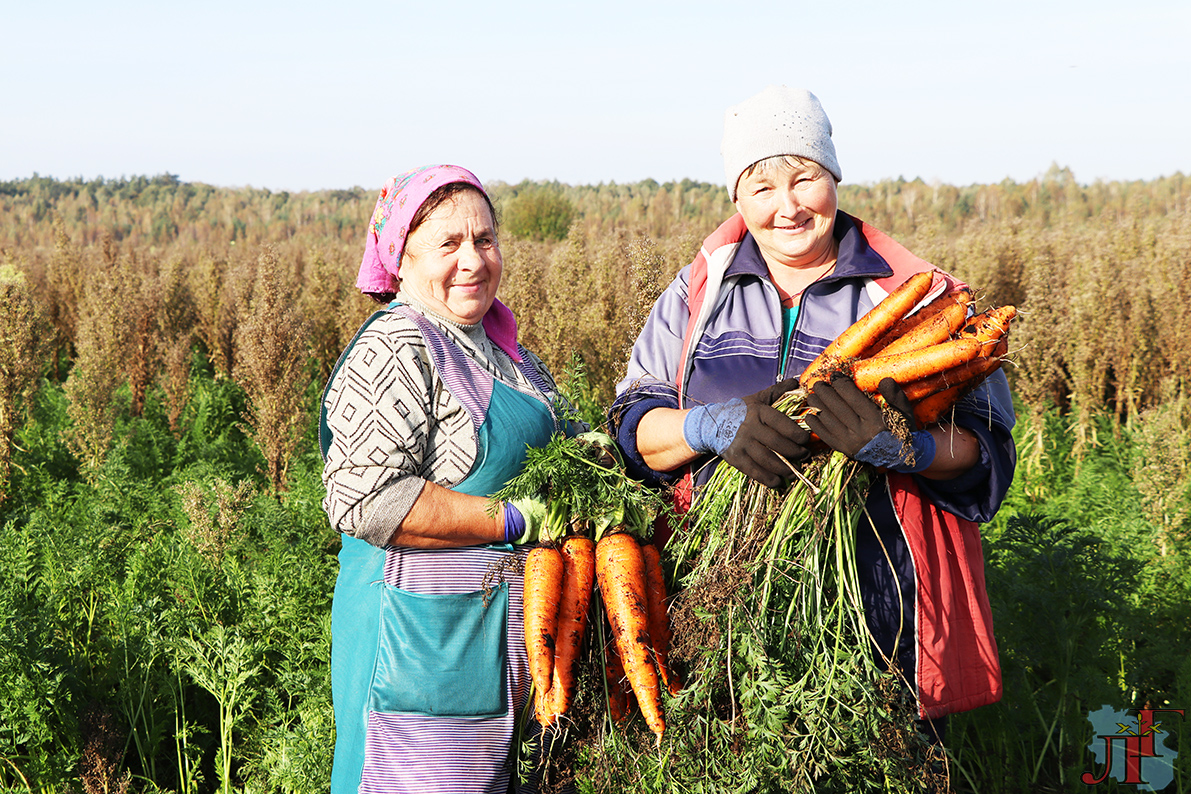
(712, 428)
(885, 451)
(750, 434)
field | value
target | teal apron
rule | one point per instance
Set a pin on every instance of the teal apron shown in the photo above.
(427, 658)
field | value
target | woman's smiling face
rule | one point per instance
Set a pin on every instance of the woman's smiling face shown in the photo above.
(452, 262)
(790, 211)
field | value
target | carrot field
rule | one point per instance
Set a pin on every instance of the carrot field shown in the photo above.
(166, 571)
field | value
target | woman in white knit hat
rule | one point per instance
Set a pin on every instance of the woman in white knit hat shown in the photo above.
(770, 289)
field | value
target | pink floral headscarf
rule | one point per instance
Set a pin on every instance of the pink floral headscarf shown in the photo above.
(399, 199)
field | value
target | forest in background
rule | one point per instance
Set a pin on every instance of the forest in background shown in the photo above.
(163, 345)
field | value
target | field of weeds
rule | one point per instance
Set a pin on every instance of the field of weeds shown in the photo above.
(166, 571)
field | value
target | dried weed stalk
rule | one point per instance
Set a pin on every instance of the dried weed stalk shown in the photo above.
(62, 292)
(272, 344)
(103, 752)
(21, 350)
(102, 346)
(214, 512)
(177, 318)
(1161, 468)
(334, 309)
(142, 304)
(222, 290)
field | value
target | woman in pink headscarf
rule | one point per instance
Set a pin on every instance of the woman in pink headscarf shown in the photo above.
(428, 412)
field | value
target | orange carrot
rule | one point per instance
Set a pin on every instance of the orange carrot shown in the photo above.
(989, 329)
(937, 329)
(862, 333)
(977, 367)
(578, 555)
(620, 570)
(933, 408)
(989, 326)
(620, 695)
(659, 616)
(543, 589)
(914, 364)
(911, 321)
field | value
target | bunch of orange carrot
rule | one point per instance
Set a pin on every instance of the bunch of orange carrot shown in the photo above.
(558, 592)
(558, 586)
(936, 353)
(595, 515)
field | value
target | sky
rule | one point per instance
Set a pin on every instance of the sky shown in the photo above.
(344, 93)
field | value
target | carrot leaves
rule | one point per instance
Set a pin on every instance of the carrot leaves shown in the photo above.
(573, 476)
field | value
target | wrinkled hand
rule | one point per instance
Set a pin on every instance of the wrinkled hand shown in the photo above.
(525, 521)
(849, 421)
(750, 434)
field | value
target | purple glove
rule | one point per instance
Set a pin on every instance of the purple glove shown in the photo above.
(525, 520)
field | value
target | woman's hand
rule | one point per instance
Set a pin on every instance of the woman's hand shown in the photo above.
(525, 520)
(849, 421)
(606, 451)
(750, 434)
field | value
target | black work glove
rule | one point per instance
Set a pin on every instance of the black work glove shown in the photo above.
(750, 434)
(848, 421)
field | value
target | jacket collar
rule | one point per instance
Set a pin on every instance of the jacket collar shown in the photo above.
(856, 257)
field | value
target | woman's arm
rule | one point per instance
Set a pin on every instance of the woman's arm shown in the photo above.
(441, 518)
(380, 456)
(987, 416)
(649, 386)
(956, 452)
(851, 422)
(660, 440)
(748, 433)
(662, 445)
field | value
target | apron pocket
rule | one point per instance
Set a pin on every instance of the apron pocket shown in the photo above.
(442, 655)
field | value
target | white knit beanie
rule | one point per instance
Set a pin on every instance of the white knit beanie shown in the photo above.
(777, 121)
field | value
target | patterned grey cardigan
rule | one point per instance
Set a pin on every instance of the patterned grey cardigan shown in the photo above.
(395, 425)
